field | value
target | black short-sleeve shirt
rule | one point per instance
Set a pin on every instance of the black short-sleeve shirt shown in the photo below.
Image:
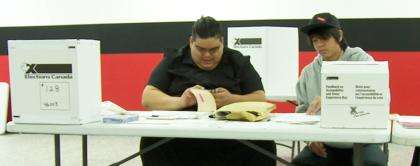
(177, 72)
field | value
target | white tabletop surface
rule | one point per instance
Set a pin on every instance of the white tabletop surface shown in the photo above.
(404, 136)
(205, 127)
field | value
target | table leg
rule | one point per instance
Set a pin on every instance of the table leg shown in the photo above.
(84, 150)
(386, 150)
(298, 147)
(57, 149)
(293, 150)
(145, 150)
(416, 157)
(263, 151)
(358, 154)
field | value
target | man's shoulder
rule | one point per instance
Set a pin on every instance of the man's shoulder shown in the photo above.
(356, 54)
(310, 69)
(174, 57)
(174, 53)
(232, 52)
(305, 70)
(234, 56)
(310, 65)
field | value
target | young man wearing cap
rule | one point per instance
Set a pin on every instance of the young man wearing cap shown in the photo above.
(326, 36)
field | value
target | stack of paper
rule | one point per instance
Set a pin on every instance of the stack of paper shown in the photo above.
(295, 118)
(117, 119)
(411, 122)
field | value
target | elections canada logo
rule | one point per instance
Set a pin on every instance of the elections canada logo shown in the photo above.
(248, 43)
(47, 71)
(355, 113)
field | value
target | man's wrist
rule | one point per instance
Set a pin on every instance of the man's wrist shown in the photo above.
(178, 103)
(235, 98)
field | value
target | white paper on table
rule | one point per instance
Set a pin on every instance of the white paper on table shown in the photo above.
(205, 100)
(152, 122)
(164, 117)
(172, 115)
(299, 118)
(408, 119)
(110, 108)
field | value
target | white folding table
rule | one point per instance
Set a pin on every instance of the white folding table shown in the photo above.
(410, 137)
(205, 127)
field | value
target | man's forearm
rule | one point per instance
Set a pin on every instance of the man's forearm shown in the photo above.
(154, 99)
(164, 103)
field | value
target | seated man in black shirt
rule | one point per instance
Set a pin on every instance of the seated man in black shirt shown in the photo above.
(203, 63)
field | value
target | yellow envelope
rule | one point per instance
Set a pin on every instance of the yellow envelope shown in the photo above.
(245, 111)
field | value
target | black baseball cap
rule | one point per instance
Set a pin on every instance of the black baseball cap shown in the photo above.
(321, 20)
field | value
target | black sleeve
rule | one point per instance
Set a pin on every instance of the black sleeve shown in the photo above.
(250, 80)
(160, 77)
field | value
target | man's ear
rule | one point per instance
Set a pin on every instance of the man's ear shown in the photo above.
(222, 40)
(190, 40)
(341, 35)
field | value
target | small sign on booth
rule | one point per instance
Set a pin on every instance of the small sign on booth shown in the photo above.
(355, 94)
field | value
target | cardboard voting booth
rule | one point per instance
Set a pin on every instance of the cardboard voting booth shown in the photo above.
(55, 81)
(274, 53)
(355, 94)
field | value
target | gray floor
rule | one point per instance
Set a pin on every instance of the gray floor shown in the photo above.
(38, 149)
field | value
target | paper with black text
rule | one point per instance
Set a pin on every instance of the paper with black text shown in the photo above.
(410, 122)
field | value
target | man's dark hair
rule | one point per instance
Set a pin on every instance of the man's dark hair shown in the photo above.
(326, 33)
(206, 27)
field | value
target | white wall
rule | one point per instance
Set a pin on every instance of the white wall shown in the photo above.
(64, 12)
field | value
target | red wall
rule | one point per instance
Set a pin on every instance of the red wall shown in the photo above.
(125, 75)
